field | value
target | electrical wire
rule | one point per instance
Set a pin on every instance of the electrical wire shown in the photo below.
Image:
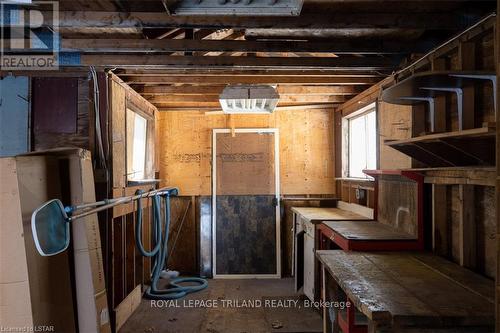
(98, 129)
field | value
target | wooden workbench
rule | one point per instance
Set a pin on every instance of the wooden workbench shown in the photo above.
(412, 292)
(319, 214)
(306, 241)
(368, 236)
(369, 230)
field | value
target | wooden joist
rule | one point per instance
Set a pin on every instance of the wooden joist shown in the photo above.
(215, 99)
(215, 106)
(323, 106)
(330, 72)
(345, 62)
(250, 79)
(217, 89)
(308, 20)
(188, 45)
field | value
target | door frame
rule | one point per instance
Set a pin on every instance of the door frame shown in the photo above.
(275, 131)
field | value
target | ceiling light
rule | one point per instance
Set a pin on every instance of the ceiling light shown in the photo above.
(235, 7)
(249, 99)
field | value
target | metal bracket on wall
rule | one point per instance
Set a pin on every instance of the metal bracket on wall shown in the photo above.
(491, 78)
(460, 100)
(431, 102)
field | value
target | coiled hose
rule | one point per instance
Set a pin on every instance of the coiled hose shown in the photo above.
(159, 253)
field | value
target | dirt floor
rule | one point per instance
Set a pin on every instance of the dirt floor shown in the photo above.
(236, 306)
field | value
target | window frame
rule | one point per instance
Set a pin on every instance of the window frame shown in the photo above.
(129, 145)
(372, 107)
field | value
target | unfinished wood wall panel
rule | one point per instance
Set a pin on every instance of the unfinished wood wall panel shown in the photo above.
(245, 164)
(306, 149)
(128, 267)
(483, 223)
(397, 203)
(394, 123)
(122, 97)
(117, 105)
(440, 235)
(183, 240)
(486, 229)
(467, 227)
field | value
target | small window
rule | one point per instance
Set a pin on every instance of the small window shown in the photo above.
(136, 145)
(361, 142)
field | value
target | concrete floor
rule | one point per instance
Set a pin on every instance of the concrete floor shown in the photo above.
(257, 306)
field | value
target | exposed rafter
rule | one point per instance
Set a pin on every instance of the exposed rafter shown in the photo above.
(251, 79)
(352, 63)
(229, 44)
(310, 20)
(217, 89)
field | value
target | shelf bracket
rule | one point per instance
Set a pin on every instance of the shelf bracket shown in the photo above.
(491, 78)
(460, 101)
(429, 100)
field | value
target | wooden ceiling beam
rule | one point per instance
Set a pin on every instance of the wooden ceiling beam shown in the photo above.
(215, 99)
(331, 72)
(133, 60)
(311, 20)
(278, 108)
(217, 89)
(251, 79)
(216, 105)
(227, 45)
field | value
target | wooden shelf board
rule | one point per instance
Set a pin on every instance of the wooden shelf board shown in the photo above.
(451, 149)
(411, 87)
(474, 132)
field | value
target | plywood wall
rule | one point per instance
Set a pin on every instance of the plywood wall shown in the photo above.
(394, 122)
(306, 149)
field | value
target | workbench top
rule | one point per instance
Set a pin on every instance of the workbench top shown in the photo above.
(411, 289)
(320, 214)
(367, 230)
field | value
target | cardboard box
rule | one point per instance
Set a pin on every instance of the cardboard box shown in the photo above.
(15, 301)
(93, 313)
(49, 301)
(90, 287)
(50, 291)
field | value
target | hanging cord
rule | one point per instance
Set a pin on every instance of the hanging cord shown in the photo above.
(161, 225)
(98, 130)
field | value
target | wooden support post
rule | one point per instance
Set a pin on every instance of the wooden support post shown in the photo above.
(439, 64)
(231, 125)
(467, 226)
(440, 234)
(467, 62)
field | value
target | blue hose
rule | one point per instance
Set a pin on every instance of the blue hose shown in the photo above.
(159, 253)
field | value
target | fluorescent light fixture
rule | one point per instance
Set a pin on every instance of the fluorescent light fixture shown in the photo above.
(235, 7)
(249, 99)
